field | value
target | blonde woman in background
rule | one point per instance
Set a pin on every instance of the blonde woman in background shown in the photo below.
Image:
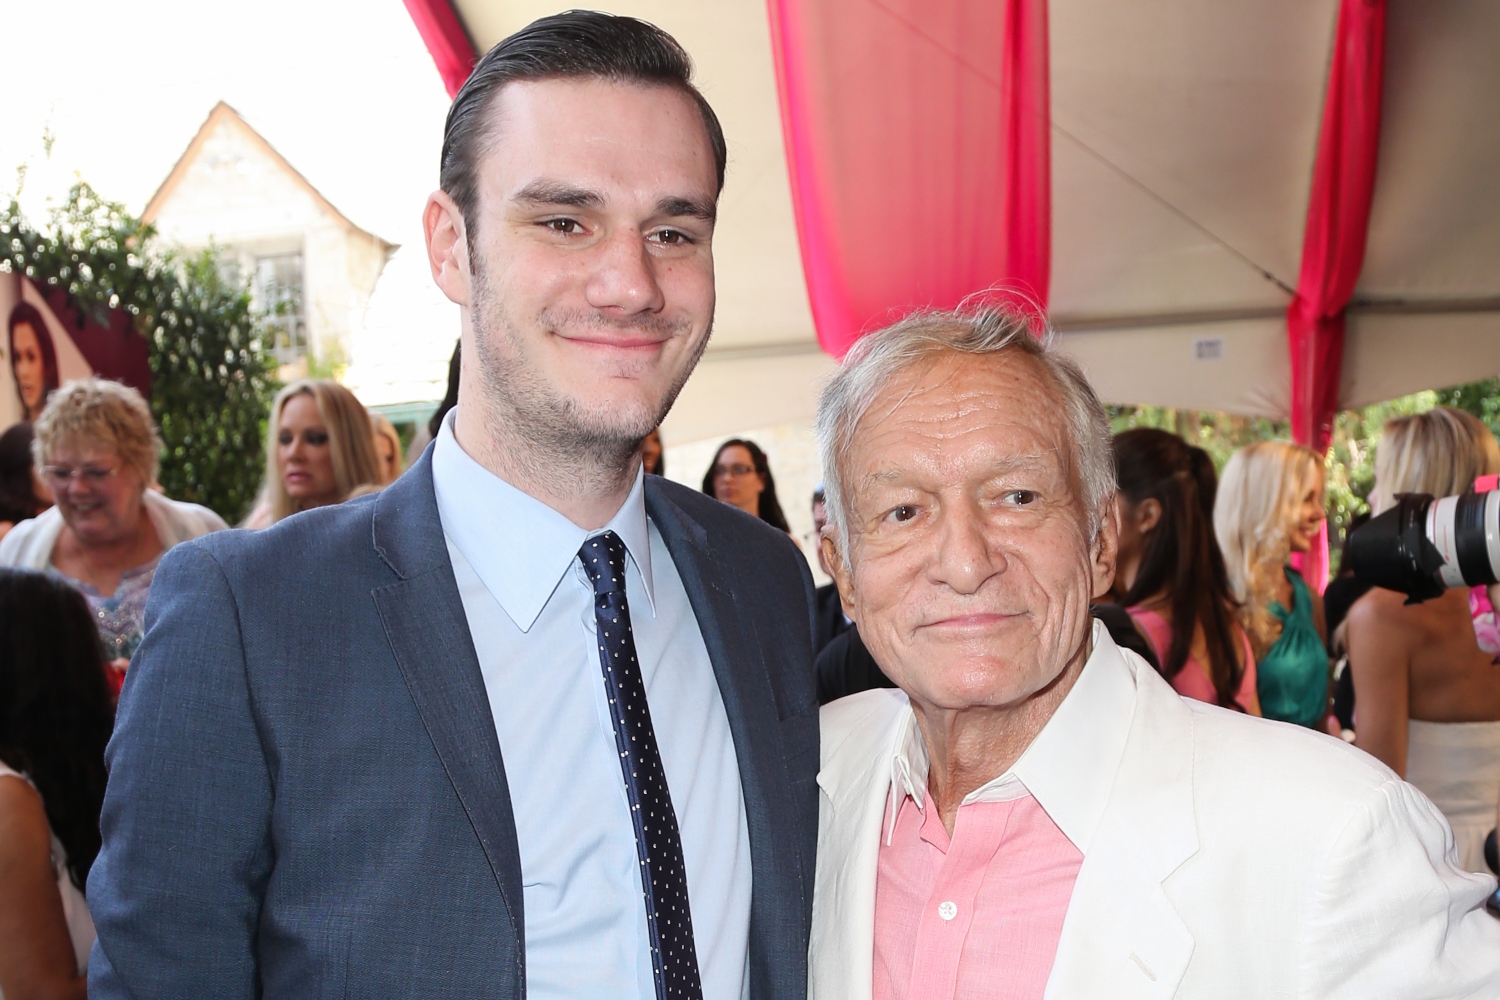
(1269, 505)
(387, 449)
(1427, 696)
(320, 449)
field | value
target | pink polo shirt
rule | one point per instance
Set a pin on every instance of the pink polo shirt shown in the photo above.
(976, 916)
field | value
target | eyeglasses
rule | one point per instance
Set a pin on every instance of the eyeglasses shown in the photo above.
(59, 476)
(733, 470)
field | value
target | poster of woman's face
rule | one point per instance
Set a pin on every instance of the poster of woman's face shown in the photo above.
(33, 359)
(38, 354)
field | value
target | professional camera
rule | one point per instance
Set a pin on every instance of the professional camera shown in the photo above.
(1422, 546)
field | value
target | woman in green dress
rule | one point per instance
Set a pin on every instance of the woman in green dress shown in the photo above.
(1269, 505)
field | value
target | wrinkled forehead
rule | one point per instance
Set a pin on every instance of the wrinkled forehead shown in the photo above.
(956, 410)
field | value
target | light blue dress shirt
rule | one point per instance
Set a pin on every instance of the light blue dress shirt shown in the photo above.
(530, 610)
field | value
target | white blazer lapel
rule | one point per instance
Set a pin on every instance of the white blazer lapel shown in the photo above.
(1122, 937)
(859, 741)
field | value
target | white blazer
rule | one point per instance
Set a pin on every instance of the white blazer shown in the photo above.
(1224, 856)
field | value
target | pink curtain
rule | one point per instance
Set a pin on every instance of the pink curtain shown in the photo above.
(1333, 243)
(446, 40)
(917, 138)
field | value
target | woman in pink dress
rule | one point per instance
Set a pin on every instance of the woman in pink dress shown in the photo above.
(1171, 575)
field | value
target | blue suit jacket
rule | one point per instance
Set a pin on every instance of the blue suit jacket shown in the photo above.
(306, 793)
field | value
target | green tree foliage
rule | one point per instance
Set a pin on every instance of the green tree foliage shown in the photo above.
(210, 379)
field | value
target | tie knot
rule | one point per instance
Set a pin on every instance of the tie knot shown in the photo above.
(603, 558)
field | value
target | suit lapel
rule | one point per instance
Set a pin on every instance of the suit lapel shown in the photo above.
(735, 650)
(1122, 937)
(429, 634)
(855, 781)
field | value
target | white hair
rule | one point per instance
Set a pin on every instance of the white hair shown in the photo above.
(877, 359)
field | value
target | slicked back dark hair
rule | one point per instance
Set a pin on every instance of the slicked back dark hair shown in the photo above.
(571, 45)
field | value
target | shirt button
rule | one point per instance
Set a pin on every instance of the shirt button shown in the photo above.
(948, 909)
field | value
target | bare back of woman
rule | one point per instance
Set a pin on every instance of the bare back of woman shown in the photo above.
(1418, 661)
(1427, 702)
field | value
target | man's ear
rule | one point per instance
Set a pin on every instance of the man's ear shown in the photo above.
(1106, 550)
(842, 578)
(447, 246)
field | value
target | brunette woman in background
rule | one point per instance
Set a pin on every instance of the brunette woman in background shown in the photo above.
(1171, 574)
(55, 719)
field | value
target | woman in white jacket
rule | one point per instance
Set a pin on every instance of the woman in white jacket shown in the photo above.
(96, 448)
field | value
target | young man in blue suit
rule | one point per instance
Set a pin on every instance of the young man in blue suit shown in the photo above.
(525, 723)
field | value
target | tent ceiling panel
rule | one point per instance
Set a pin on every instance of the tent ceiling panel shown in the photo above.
(1392, 354)
(762, 298)
(1435, 223)
(1235, 365)
(1119, 251)
(1211, 107)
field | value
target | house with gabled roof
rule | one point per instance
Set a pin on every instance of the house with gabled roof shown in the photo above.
(309, 267)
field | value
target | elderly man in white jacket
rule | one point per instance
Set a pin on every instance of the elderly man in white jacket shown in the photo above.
(1035, 813)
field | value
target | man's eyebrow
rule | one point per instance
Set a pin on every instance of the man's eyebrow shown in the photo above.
(689, 207)
(553, 193)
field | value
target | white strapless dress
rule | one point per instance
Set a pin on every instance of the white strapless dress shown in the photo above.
(1457, 766)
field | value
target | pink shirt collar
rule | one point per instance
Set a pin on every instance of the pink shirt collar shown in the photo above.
(1070, 766)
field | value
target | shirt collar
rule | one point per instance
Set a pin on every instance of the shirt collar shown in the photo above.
(1069, 768)
(518, 546)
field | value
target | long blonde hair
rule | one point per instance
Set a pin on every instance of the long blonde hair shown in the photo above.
(1440, 452)
(1260, 496)
(383, 428)
(351, 441)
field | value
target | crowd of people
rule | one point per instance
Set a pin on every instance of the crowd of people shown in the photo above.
(535, 723)
(1204, 589)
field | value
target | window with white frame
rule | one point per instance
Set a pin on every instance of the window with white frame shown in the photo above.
(278, 294)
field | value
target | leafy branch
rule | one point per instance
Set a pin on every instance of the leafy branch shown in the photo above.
(210, 378)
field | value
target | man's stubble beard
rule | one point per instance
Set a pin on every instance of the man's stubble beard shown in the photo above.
(549, 435)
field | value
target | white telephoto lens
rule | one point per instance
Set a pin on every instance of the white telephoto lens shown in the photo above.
(1466, 532)
(1441, 534)
(1492, 531)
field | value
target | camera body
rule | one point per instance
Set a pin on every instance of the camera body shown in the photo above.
(1422, 546)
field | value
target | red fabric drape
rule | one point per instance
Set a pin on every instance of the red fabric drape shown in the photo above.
(1333, 243)
(917, 138)
(446, 39)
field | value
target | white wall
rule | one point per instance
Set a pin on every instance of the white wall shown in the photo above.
(237, 196)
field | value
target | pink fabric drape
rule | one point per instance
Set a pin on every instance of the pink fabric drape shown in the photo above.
(1333, 243)
(917, 138)
(446, 40)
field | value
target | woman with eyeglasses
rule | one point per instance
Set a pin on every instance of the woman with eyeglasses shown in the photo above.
(741, 477)
(96, 446)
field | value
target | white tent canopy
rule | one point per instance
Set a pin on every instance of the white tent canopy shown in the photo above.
(1183, 143)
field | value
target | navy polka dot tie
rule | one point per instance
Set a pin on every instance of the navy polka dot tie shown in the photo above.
(658, 845)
